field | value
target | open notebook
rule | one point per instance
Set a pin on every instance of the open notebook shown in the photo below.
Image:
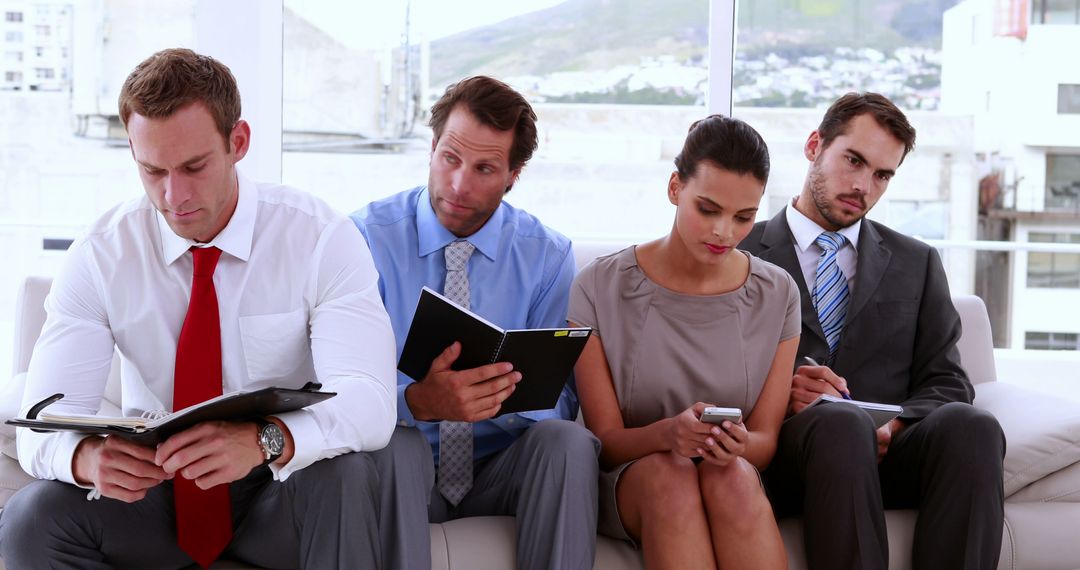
(881, 413)
(153, 427)
(544, 357)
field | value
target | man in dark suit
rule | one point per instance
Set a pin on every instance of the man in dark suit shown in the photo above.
(878, 318)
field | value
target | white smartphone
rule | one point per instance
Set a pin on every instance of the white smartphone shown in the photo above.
(715, 415)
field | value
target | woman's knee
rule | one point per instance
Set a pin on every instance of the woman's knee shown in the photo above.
(733, 490)
(664, 483)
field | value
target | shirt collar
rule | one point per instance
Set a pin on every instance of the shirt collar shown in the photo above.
(235, 239)
(432, 236)
(806, 230)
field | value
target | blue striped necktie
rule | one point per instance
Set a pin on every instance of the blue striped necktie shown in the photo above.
(830, 289)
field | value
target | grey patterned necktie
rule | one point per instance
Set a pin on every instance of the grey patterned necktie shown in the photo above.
(456, 438)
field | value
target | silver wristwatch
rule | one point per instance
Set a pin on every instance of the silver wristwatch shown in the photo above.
(271, 440)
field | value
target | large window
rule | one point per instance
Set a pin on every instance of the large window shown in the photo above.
(615, 85)
(1054, 270)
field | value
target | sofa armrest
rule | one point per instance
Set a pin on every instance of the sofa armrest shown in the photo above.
(1042, 432)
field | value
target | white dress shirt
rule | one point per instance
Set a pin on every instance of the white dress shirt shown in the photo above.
(805, 231)
(298, 298)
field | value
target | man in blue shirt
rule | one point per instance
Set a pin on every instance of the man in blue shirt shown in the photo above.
(457, 235)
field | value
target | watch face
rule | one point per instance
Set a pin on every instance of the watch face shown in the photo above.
(272, 440)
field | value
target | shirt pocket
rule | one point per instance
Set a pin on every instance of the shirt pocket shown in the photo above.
(276, 344)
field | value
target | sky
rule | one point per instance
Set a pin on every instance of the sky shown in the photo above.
(379, 24)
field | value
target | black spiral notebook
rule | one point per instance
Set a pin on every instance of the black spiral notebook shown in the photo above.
(544, 357)
(155, 427)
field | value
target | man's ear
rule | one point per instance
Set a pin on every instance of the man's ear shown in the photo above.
(813, 146)
(673, 186)
(240, 139)
(514, 174)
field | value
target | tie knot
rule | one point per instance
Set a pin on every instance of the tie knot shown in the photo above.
(457, 255)
(206, 259)
(830, 241)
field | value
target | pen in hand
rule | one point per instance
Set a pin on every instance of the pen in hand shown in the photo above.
(813, 362)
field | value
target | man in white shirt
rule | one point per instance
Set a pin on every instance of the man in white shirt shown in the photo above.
(208, 276)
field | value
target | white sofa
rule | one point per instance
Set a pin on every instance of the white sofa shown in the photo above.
(1042, 465)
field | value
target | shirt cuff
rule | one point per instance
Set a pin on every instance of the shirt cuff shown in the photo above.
(64, 457)
(404, 414)
(307, 443)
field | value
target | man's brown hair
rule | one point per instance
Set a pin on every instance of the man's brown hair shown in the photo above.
(494, 104)
(846, 108)
(173, 78)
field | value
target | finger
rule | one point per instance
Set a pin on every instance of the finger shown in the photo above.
(179, 441)
(131, 449)
(446, 358)
(487, 407)
(699, 408)
(121, 494)
(809, 385)
(484, 373)
(126, 481)
(804, 396)
(493, 386)
(202, 441)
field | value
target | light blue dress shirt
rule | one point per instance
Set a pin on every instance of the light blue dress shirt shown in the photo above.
(519, 277)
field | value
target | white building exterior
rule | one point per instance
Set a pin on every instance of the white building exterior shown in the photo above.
(35, 45)
(1019, 80)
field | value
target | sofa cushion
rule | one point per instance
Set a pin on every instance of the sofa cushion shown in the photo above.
(1043, 431)
(10, 400)
(1059, 486)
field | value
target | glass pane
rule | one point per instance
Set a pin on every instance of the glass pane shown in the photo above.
(1040, 270)
(63, 154)
(1066, 271)
(1068, 98)
(615, 86)
(1037, 340)
(1063, 181)
(1057, 11)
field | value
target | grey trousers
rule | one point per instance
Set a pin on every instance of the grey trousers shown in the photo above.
(948, 466)
(303, 522)
(547, 479)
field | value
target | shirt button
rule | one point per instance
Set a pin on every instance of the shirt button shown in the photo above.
(402, 423)
(510, 421)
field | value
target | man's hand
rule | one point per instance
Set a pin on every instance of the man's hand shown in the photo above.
(118, 469)
(464, 396)
(810, 382)
(885, 435)
(213, 453)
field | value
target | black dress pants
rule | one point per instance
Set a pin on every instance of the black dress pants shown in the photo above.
(947, 465)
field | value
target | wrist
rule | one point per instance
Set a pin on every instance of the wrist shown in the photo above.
(82, 461)
(413, 399)
(273, 440)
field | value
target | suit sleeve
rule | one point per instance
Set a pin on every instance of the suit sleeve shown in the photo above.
(936, 375)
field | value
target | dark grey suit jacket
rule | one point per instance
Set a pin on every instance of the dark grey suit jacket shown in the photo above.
(899, 340)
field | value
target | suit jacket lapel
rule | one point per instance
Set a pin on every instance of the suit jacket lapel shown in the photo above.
(872, 261)
(780, 250)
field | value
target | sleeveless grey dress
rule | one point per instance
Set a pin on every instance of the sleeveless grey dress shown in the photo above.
(667, 350)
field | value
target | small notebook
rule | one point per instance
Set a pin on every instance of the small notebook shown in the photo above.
(544, 357)
(881, 413)
(153, 427)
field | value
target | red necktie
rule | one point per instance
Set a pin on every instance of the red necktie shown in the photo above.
(203, 518)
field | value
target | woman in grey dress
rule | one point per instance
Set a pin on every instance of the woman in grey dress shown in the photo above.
(684, 322)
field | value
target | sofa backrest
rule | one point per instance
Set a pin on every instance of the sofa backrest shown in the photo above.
(976, 344)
